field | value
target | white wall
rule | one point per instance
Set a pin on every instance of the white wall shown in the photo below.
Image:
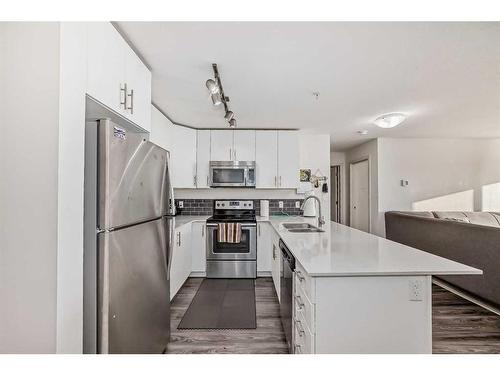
(367, 150)
(29, 78)
(443, 174)
(314, 154)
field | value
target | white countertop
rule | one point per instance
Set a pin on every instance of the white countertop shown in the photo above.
(181, 220)
(344, 251)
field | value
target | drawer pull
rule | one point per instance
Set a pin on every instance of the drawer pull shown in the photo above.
(299, 276)
(299, 302)
(301, 329)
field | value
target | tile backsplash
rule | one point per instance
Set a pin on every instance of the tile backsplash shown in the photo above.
(205, 206)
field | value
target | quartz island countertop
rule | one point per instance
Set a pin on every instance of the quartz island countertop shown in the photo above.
(344, 251)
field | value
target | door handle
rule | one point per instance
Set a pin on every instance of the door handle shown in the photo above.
(131, 95)
(124, 91)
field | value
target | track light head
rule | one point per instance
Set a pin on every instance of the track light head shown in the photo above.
(229, 115)
(212, 86)
(232, 123)
(216, 99)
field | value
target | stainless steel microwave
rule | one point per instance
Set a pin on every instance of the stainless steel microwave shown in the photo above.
(232, 174)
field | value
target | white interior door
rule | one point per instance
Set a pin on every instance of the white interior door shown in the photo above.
(360, 196)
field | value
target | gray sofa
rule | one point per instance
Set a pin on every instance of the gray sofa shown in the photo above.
(472, 238)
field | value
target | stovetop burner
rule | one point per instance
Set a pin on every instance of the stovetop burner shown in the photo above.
(228, 211)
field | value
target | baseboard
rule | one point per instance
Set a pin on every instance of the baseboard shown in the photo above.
(264, 274)
(465, 295)
(198, 274)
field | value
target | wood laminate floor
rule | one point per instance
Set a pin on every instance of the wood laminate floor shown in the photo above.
(461, 327)
(458, 326)
(268, 338)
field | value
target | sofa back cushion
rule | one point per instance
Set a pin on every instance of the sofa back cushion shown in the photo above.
(483, 218)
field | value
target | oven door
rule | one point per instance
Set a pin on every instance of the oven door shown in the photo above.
(228, 176)
(246, 249)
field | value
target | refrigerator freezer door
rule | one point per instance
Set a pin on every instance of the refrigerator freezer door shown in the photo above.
(133, 183)
(133, 289)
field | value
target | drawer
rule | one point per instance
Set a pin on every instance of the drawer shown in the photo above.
(303, 305)
(303, 280)
(303, 338)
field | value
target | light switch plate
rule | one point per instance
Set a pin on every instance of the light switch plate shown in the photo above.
(181, 204)
(280, 204)
(297, 204)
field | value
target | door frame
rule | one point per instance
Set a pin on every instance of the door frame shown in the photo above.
(351, 163)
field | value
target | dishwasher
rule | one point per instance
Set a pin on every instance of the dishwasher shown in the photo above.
(286, 293)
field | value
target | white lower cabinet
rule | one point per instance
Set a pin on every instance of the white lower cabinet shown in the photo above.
(180, 268)
(199, 248)
(264, 249)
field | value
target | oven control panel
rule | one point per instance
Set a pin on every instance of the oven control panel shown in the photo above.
(234, 205)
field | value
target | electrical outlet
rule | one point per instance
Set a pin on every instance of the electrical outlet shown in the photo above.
(297, 204)
(280, 204)
(181, 204)
(415, 290)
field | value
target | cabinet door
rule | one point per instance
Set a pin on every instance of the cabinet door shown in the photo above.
(288, 159)
(221, 145)
(138, 79)
(181, 259)
(202, 158)
(198, 247)
(264, 248)
(106, 65)
(161, 129)
(244, 145)
(183, 157)
(266, 158)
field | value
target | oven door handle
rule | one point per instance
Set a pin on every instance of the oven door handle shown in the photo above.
(251, 225)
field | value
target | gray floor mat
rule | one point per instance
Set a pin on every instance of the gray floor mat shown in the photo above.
(222, 304)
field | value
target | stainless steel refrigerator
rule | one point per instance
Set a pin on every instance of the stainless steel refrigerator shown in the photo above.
(129, 226)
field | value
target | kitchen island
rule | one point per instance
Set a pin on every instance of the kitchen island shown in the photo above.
(355, 292)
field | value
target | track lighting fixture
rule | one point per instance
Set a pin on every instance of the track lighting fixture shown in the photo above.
(214, 86)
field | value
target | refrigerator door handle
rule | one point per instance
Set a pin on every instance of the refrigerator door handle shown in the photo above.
(170, 187)
(170, 244)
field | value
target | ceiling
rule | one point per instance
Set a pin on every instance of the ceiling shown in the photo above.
(444, 76)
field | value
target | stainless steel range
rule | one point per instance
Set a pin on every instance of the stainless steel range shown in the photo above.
(230, 259)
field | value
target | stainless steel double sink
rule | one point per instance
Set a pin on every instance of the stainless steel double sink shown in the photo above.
(301, 228)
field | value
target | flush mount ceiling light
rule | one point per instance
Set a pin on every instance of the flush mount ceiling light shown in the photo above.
(389, 120)
(214, 86)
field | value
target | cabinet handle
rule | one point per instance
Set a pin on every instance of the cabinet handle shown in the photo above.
(299, 276)
(275, 181)
(234, 152)
(299, 302)
(259, 229)
(194, 180)
(274, 251)
(131, 95)
(301, 328)
(124, 91)
(280, 181)
(179, 238)
(203, 231)
(230, 154)
(207, 181)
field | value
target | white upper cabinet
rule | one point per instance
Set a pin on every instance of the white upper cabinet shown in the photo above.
(221, 145)
(183, 157)
(266, 158)
(161, 129)
(116, 76)
(244, 145)
(138, 80)
(202, 158)
(105, 65)
(288, 159)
